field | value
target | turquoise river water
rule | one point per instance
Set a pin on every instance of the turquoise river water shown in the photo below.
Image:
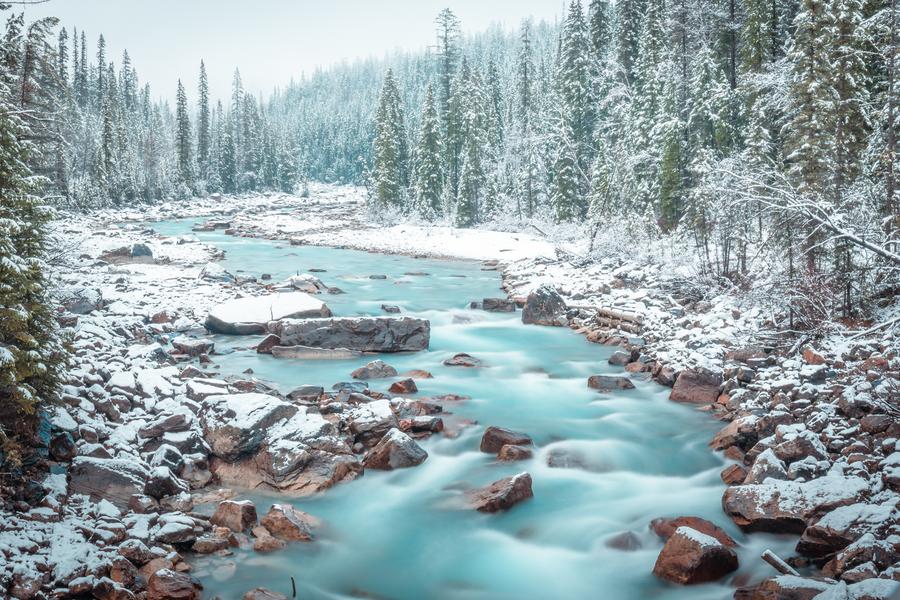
(398, 535)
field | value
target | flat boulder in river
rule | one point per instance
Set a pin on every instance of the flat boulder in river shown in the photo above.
(363, 334)
(248, 316)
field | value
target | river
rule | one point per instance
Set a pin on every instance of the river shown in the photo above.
(399, 535)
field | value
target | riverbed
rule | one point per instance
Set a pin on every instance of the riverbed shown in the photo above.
(627, 457)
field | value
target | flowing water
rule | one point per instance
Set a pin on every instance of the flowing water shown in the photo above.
(400, 535)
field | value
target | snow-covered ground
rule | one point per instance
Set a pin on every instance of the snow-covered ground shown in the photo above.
(811, 432)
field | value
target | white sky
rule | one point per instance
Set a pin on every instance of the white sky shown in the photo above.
(269, 40)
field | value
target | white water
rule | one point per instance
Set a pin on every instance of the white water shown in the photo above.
(400, 535)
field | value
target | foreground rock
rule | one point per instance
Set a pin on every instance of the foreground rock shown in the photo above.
(502, 494)
(167, 584)
(789, 506)
(691, 557)
(696, 386)
(237, 516)
(609, 383)
(234, 425)
(544, 306)
(494, 438)
(112, 479)
(666, 528)
(248, 316)
(287, 523)
(362, 334)
(396, 450)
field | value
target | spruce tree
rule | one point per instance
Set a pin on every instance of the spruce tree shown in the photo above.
(388, 169)
(565, 197)
(203, 124)
(183, 138)
(447, 56)
(429, 155)
(629, 15)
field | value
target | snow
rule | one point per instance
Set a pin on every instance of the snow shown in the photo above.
(262, 309)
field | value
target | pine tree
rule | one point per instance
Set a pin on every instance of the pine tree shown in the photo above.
(183, 138)
(62, 57)
(525, 77)
(565, 197)
(203, 124)
(429, 154)
(600, 28)
(447, 56)
(388, 168)
(629, 15)
(32, 355)
(474, 155)
(100, 90)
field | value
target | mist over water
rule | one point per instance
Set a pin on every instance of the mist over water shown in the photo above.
(402, 534)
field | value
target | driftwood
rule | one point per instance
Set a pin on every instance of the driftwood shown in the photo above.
(778, 564)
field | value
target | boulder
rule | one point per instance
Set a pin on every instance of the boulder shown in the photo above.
(193, 346)
(80, 300)
(609, 383)
(215, 272)
(234, 425)
(844, 525)
(544, 306)
(404, 386)
(785, 587)
(246, 316)
(510, 452)
(62, 447)
(691, 557)
(236, 515)
(495, 438)
(395, 450)
(269, 342)
(287, 523)
(789, 506)
(392, 309)
(502, 494)
(498, 305)
(665, 527)
(112, 479)
(462, 360)
(361, 334)
(377, 369)
(696, 386)
(167, 584)
(162, 482)
(369, 422)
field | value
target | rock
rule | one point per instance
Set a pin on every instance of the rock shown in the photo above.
(167, 584)
(246, 316)
(691, 557)
(175, 532)
(544, 306)
(766, 466)
(844, 525)
(236, 515)
(193, 346)
(502, 494)
(608, 383)
(173, 422)
(369, 422)
(498, 305)
(395, 450)
(304, 282)
(696, 386)
(208, 544)
(80, 300)
(265, 542)
(62, 447)
(263, 594)
(216, 272)
(733, 474)
(142, 505)
(361, 334)
(377, 369)
(463, 360)
(788, 506)
(310, 353)
(115, 479)
(269, 342)
(162, 482)
(626, 541)
(136, 551)
(619, 358)
(665, 527)
(404, 386)
(510, 452)
(786, 587)
(494, 438)
(306, 393)
(234, 425)
(390, 308)
(287, 523)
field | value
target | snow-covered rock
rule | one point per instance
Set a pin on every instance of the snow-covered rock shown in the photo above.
(245, 316)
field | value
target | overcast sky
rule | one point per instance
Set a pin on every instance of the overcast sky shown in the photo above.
(269, 40)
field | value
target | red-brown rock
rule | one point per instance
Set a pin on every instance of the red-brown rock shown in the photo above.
(167, 584)
(696, 386)
(495, 438)
(269, 342)
(511, 452)
(286, 522)
(404, 386)
(665, 527)
(691, 557)
(236, 515)
(502, 495)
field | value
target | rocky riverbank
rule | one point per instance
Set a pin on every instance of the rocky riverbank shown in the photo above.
(149, 429)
